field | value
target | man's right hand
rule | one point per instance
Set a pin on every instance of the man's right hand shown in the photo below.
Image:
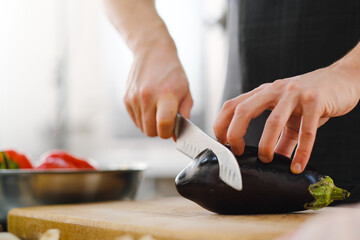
(157, 89)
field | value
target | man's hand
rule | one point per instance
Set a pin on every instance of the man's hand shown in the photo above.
(299, 106)
(157, 87)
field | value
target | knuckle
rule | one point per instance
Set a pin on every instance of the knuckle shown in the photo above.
(277, 84)
(133, 99)
(274, 120)
(145, 93)
(228, 105)
(264, 85)
(126, 100)
(302, 153)
(310, 96)
(166, 119)
(308, 135)
(292, 86)
(242, 109)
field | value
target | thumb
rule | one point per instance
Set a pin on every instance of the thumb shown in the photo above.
(166, 110)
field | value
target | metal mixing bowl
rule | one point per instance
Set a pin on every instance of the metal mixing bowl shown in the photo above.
(21, 188)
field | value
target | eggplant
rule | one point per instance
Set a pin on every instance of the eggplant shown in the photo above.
(267, 187)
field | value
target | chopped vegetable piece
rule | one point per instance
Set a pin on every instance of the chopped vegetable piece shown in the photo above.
(11, 159)
(59, 159)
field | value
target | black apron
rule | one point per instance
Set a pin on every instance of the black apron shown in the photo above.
(273, 39)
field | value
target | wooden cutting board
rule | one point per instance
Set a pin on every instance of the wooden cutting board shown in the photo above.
(171, 219)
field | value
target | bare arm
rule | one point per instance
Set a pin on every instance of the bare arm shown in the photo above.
(157, 87)
(138, 22)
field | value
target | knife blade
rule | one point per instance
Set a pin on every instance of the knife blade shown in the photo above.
(191, 140)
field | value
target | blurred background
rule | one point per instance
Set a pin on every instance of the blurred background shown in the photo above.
(63, 69)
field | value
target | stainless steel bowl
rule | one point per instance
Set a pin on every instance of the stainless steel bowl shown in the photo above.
(21, 188)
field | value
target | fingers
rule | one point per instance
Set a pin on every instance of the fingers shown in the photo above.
(287, 142)
(223, 121)
(130, 111)
(226, 114)
(273, 127)
(133, 109)
(296, 117)
(157, 118)
(157, 88)
(308, 128)
(148, 112)
(148, 121)
(244, 113)
(167, 108)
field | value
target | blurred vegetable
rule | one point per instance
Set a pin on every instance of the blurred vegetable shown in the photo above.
(51, 234)
(8, 236)
(59, 159)
(11, 159)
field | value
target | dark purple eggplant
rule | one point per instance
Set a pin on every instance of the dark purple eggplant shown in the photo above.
(267, 187)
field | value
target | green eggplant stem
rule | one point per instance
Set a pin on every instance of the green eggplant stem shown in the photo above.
(7, 162)
(324, 192)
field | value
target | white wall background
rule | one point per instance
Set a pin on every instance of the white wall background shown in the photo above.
(28, 52)
(44, 41)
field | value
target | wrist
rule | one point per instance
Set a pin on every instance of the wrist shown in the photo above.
(138, 23)
(156, 37)
(349, 67)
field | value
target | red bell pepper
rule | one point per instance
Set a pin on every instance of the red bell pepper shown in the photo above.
(11, 159)
(59, 159)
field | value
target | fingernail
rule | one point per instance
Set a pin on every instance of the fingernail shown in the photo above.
(264, 158)
(297, 168)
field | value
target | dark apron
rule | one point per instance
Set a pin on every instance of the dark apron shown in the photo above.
(273, 39)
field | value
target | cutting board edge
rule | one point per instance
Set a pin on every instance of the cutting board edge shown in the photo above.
(30, 228)
(44, 218)
(34, 227)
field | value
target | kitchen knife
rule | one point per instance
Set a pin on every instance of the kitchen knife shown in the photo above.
(190, 140)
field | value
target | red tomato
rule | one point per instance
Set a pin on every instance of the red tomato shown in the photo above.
(61, 159)
(11, 159)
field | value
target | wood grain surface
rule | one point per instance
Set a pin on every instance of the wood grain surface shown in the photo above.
(171, 219)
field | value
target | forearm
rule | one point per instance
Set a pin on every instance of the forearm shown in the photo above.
(138, 22)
